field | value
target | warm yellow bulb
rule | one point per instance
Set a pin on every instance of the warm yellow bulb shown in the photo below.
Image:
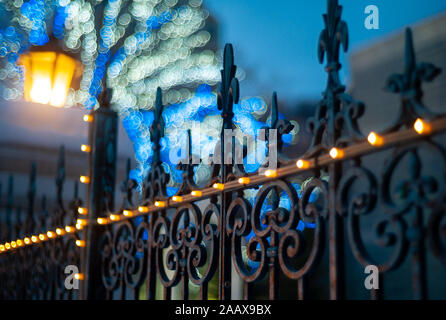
(336, 153)
(270, 173)
(302, 164)
(219, 186)
(60, 231)
(160, 204)
(19, 242)
(80, 243)
(88, 118)
(243, 180)
(69, 229)
(375, 139)
(177, 198)
(82, 222)
(422, 127)
(114, 217)
(196, 193)
(42, 237)
(7, 245)
(2, 248)
(27, 240)
(84, 179)
(50, 234)
(127, 213)
(79, 276)
(143, 209)
(34, 239)
(81, 210)
(102, 220)
(13, 244)
(85, 148)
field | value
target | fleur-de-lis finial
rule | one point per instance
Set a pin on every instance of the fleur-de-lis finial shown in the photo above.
(157, 128)
(187, 167)
(409, 85)
(331, 38)
(282, 126)
(229, 90)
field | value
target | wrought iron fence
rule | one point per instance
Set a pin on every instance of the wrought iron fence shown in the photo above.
(380, 202)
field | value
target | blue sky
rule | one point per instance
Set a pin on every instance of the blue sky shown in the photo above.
(275, 42)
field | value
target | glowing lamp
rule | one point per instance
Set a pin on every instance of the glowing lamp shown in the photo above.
(69, 229)
(143, 209)
(422, 127)
(196, 193)
(219, 186)
(243, 180)
(102, 220)
(84, 179)
(49, 74)
(375, 139)
(80, 243)
(270, 173)
(336, 153)
(79, 276)
(177, 198)
(302, 164)
(127, 213)
(160, 204)
(85, 148)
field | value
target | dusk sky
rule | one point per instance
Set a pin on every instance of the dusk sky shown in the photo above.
(275, 42)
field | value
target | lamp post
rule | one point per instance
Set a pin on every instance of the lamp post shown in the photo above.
(49, 74)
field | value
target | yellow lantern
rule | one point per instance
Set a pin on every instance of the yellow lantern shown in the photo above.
(49, 76)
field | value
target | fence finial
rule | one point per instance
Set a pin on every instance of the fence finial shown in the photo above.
(409, 86)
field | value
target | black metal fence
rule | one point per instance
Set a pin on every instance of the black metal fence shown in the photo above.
(381, 202)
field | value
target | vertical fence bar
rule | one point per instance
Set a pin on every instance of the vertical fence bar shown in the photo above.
(100, 192)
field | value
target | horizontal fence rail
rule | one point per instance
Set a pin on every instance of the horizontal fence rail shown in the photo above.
(303, 229)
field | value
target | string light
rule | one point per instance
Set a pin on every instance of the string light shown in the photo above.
(13, 244)
(375, 139)
(102, 220)
(50, 234)
(42, 237)
(114, 217)
(196, 193)
(34, 239)
(160, 204)
(422, 127)
(143, 209)
(243, 180)
(270, 173)
(83, 211)
(27, 240)
(7, 246)
(127, 213)
(336, 153)
(70, 229)
(60, 231)
(84, 179)
(2, 248)
(88, 118)
(80, 243)
(302, 164)
(79, 276)
(85, 148)
(19, 242)
(219, 186)
(177, 198)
